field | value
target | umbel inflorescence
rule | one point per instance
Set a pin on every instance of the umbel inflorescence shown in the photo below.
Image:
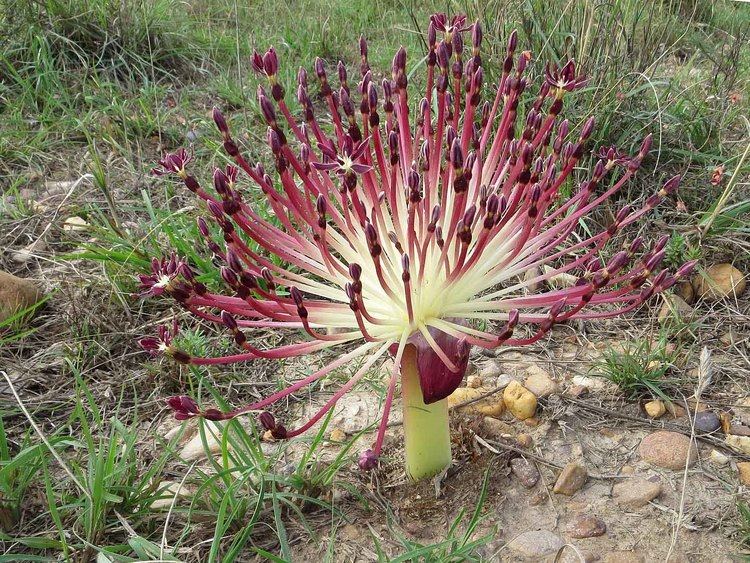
(402, 222)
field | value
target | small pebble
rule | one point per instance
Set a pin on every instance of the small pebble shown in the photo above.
(719, 281)
(586, 526)
(524, 440)
(195, 449)
(493, 405)
(655, 409)
(576, 391)
(738, 430)
(535, 544)
(532, 422)
(496, 428)
(718, 458)
(474, 381)
(75, 223)
(337, 435)
(539, 497)
(525, 471)
(676, 411)
(636, 492)
(16, 294)
(573, 477)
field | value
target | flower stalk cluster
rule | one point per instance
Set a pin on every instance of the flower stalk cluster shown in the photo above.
(403, 225)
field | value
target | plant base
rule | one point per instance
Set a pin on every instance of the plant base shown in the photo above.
(427, 437)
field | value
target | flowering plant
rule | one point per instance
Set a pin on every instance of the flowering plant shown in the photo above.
(398, 228)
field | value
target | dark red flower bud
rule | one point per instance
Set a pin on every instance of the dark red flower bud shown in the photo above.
(215, 209)
(513, 41)
(257, 62)
(405, 275)
(645, 145)
(672, 184)
(266, 108)
(457, 155)
(654, 260)
(458, 44)
(296, 295)
(233, 261)
(320, 205)
(184, 406)
(342, 73)
(271, 62)
(443, 58)
(268, 277)
(399, 60)
(431, 36)
(229, 277)
(476, 36)
(267, 420)
(636, 245)
(617, 262)
(469, 216)
(228, 320)
(588, 128)
(320, 68)
(220, 122)
(367, 460)
(203, 227)
(274, 141)
(686, 269)
(220, 181)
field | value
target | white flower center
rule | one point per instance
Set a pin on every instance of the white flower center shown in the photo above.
(163, 281)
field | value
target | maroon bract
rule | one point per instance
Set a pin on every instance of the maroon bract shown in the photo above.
(404, 224)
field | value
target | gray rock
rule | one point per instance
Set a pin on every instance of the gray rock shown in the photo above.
(740, 443)
(636, 492)
(525, 472)
(535, 544)
(706, 422)
(490, 369)
(540, 383)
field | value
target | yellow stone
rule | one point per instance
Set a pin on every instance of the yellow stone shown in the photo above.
(655, 409)
(337, 435)
(491, 406)
(743, 469)
(520, 401)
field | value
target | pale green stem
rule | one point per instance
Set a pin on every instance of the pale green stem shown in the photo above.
(427, 437)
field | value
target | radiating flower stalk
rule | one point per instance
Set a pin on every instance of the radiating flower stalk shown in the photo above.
(409, 229)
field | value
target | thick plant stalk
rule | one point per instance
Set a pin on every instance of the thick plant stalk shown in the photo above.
(426, 428)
